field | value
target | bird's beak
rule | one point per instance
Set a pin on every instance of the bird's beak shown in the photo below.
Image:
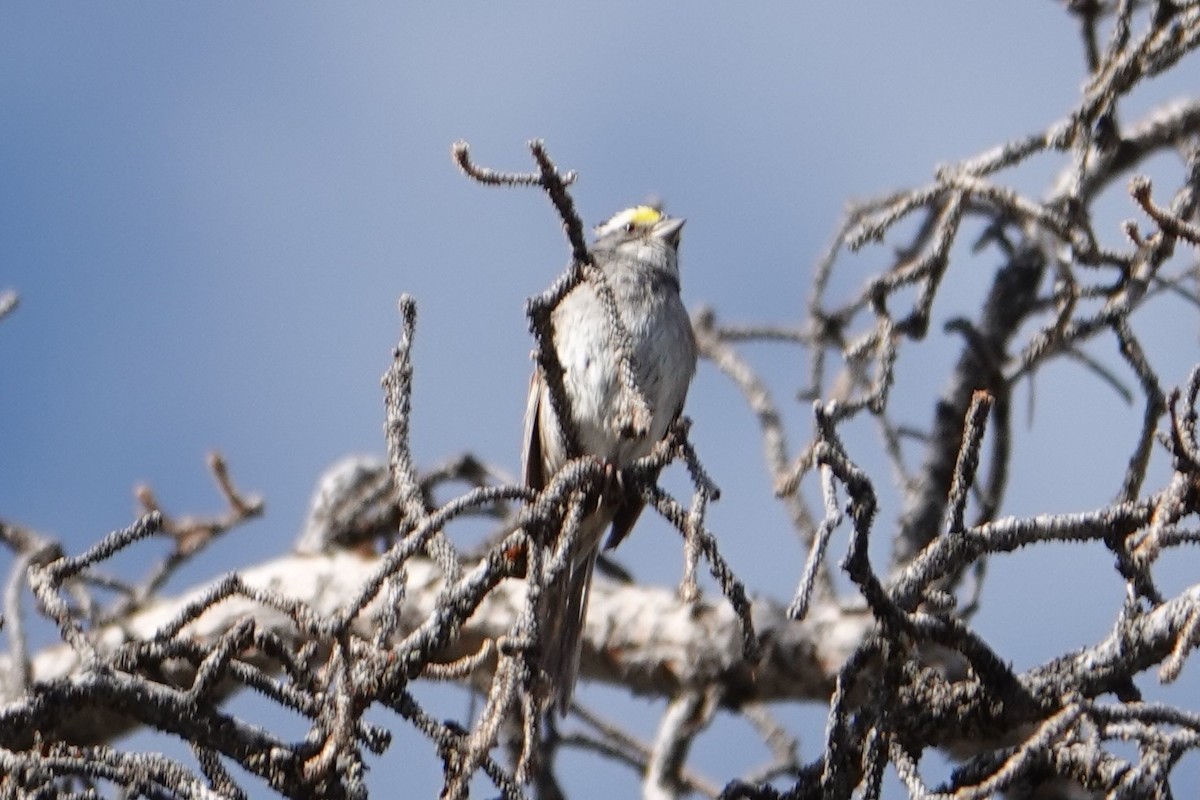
(669, 230)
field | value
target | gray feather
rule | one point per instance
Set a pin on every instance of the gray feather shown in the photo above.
(642, 271)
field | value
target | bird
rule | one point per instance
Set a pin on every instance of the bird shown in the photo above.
(637, 251)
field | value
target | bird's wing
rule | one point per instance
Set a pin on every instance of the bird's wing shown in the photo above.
(563, 602)
(630, 508)
(533, 465)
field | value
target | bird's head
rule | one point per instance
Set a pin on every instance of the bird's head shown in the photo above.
(645, 234)
(641, 222)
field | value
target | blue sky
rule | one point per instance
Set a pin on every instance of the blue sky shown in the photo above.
(209, 212)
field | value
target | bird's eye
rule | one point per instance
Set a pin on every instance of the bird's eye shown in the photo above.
(630, 227)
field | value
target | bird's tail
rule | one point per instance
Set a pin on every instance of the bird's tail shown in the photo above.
(565, 609)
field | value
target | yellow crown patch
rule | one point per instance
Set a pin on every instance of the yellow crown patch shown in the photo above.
(645, 215)
(638, 216)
